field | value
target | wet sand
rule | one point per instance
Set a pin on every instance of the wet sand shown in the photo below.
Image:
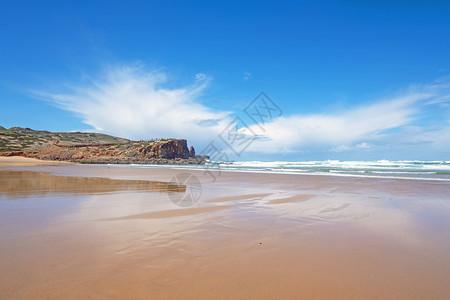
(112, 232)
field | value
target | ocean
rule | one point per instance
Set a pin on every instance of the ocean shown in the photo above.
(420, 170)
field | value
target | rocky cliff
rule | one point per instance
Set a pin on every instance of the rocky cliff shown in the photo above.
(94, 148)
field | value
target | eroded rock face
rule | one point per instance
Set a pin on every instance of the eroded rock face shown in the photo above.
(13, 153)
(192, 151)
(170, 149)
(174, 149)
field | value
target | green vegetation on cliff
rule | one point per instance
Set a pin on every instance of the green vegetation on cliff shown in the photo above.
(87, 147)
(26, 139)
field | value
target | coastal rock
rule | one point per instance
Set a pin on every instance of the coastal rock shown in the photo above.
(169, 149)
(94, 148)
(13, 153)
(192, 152)
(174, 149)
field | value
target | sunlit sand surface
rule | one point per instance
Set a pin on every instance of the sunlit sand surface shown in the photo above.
(105, 232)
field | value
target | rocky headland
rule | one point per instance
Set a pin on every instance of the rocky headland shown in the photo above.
(94, 148)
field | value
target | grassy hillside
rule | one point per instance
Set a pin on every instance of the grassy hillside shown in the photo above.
(26, 139)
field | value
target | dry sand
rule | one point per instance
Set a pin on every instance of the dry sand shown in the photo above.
(111, 232)
(19, 161)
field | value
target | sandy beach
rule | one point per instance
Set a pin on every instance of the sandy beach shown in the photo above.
(73, 231)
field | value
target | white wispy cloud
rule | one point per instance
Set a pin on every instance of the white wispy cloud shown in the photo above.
(338, 130)
(131, 102)
(342, 148)
(247, 76)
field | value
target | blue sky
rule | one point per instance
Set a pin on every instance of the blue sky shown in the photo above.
(354, 80)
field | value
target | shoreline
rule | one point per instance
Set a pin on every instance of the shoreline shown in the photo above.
(250, 235)
(18, 161)
(271, 181)
(180, 167)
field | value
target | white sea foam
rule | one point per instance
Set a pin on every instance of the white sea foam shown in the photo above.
(419, 170)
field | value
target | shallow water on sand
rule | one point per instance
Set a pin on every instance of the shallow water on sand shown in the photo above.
(116, 234)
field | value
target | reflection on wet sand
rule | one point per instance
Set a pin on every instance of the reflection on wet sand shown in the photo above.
(252, 237)
(16, 184)
(174, 212)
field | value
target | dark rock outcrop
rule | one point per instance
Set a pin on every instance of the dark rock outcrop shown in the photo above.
(169, 149)
(192, 152)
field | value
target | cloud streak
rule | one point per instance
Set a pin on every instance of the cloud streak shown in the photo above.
(131, 102)
(355, 125)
